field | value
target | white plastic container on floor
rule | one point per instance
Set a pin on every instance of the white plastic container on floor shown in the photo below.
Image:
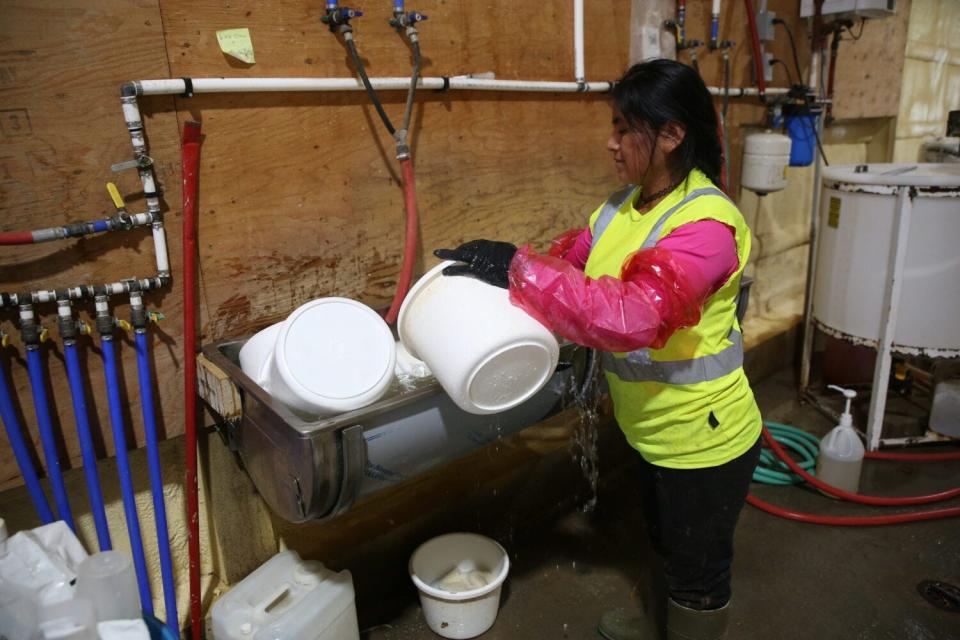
(459, 576)
(108, 581)
(329, 356)
(287, 597)
(841, 452)
(488, 355)
(68, 620)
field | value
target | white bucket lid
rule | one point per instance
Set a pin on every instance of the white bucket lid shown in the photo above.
(336, 353)
(921, 174)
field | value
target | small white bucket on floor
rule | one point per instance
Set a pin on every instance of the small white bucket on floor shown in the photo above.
(488, 355)
(459, 576)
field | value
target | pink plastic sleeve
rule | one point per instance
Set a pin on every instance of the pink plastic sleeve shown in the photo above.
(659, 292)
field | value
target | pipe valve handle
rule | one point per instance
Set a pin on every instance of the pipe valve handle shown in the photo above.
(44, 334)
(115, 196)
(155, 316)
(123, 324)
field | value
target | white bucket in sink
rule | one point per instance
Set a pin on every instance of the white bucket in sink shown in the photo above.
(329, 356)
(459, 576)
(488, 355)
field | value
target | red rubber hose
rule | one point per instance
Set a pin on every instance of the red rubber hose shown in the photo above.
(912, 457)
(852, 521)
(757, 55)
(191, 164)
(16, 237)
(410, 241)
(854, 497)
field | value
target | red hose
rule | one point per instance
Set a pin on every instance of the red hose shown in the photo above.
(854, 497)
(191, 163)
(912, 457)
(16, 237)
(410, 241)
(852, 521)
(757, 55)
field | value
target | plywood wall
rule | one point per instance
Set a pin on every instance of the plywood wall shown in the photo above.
(300, 196)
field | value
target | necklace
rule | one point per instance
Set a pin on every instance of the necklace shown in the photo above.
(644, 201)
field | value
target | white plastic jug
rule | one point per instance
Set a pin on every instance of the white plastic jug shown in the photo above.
(841, 452)
(287, 597)
(488, 355)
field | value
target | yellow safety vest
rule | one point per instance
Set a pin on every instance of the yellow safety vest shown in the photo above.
(687, 405)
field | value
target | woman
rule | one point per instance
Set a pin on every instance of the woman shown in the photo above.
(652, 282)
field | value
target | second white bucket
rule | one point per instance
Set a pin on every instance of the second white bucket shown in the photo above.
(459, 576)
(488, 355)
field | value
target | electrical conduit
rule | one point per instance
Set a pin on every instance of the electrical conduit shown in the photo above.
(190, 160)
(105, 324)
(139, 321)
(41, 404)
(20, 450)
(68, 332)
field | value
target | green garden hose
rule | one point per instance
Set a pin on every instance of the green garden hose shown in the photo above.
(770, 470)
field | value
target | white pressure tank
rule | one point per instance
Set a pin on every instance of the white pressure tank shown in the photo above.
(857, 243)
(765, 159)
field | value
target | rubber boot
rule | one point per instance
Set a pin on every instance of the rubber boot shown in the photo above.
(624, 625)
(692, 624)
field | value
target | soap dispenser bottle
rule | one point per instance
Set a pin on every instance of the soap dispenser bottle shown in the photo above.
(841, 452)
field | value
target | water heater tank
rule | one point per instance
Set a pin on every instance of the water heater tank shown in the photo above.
(856, 242)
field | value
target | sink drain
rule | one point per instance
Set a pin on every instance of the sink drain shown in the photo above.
(942, 595)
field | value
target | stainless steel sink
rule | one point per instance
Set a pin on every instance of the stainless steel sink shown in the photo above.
(315, 468)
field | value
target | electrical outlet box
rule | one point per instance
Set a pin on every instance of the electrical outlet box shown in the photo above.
(765, 25)
(858, 8)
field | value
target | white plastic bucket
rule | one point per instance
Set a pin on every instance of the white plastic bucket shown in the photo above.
(256, 355)
(459, 613)
(488, 355)
(329, 356)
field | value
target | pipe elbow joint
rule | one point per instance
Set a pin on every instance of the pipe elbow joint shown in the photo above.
(129, 90)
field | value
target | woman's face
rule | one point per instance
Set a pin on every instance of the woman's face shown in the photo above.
(631, 148)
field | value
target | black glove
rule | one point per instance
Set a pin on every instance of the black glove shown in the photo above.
(486, 260)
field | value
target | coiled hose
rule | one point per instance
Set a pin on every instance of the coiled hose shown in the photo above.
(800, 441)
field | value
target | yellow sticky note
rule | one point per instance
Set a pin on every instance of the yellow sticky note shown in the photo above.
(237, 43)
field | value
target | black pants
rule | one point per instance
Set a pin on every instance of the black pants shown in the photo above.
(691, 515)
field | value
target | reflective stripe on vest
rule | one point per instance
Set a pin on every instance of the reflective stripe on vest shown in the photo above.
(610, 209)
(639, 366)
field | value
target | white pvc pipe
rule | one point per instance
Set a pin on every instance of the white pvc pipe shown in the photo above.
(244, 85)
(715, 11)
(579, 73)
(463, 83)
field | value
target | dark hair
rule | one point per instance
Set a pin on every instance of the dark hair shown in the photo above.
(651, 94)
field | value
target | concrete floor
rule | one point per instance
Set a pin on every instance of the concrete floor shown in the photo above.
(791, 580)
